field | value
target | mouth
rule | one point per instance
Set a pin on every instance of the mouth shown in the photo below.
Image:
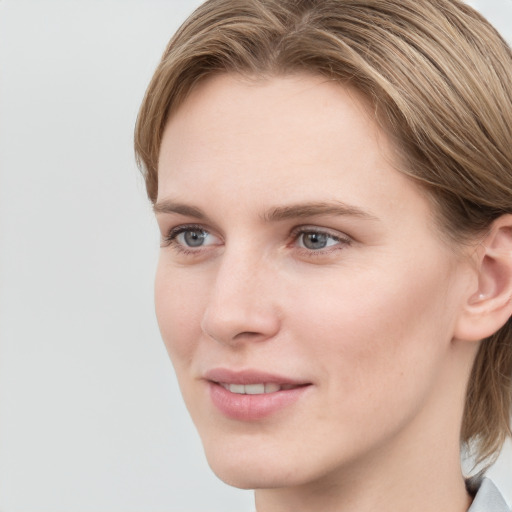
(258, 389)
(250, 396)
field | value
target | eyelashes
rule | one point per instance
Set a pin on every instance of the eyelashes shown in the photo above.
(194, 239)
(316, 240)
(190, 238)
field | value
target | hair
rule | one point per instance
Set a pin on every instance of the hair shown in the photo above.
(439, 78)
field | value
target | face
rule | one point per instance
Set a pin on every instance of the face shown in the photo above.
(304, 295)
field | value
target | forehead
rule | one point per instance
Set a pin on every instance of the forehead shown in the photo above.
(273, 97)
(303, 120)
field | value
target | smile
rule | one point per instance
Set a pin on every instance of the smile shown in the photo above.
(256, 389)
(251, 395)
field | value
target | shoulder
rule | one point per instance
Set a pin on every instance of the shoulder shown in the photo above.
(487, 496)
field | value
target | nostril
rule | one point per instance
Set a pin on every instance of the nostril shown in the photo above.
(248, 335)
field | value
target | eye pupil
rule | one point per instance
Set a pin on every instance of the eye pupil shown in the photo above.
(194, 238)
(314, 240)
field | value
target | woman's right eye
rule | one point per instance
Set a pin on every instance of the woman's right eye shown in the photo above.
(187, 238)
(192, 237)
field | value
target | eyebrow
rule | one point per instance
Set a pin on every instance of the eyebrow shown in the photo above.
(179, 208)
(297, 211)
(279, 213)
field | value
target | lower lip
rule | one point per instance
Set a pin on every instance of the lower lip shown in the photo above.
(252, 407)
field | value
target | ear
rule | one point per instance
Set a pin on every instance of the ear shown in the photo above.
(489, 307)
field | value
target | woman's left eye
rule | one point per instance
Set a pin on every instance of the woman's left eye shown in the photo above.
(318, 240)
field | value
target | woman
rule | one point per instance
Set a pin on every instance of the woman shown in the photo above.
(333, 184)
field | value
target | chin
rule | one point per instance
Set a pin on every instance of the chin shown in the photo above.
(247, 476)
(259, 463)
(244, 479)
(242, 467)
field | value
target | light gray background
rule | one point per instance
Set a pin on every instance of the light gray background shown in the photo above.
(90, 415)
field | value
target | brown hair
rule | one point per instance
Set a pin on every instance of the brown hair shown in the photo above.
(440, 79)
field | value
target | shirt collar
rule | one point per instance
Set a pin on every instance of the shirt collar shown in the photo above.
(487, 497)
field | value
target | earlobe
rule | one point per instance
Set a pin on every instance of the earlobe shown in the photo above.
(489, 307)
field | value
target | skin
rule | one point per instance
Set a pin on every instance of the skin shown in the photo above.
(369, 321)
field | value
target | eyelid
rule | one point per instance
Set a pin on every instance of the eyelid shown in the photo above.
(311, 228)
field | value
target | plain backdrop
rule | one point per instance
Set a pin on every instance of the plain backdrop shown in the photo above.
(90, 415)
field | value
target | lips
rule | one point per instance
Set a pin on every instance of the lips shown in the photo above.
(252, 395)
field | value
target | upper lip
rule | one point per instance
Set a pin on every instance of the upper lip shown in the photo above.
(249, 376)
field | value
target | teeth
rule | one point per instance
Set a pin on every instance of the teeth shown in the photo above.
(254, 389)
(237, 388)
(272, 388)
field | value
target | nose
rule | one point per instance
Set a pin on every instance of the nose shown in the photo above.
(242, 304)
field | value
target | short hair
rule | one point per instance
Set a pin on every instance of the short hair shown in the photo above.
(439, 79)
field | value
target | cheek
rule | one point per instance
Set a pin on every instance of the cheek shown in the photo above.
(178, 312)
(378, 336)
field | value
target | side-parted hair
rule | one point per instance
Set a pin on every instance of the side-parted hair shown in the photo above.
(439, 79)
